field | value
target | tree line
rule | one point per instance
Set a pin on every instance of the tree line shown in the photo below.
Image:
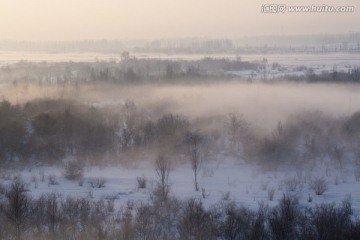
(50, 130)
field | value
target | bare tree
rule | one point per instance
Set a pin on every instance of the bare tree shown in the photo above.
(338, 154)
(237, 130)
(162, 168)
(194, 141)
(126, 137)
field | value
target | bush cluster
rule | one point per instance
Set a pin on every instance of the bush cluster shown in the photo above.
(50, 216)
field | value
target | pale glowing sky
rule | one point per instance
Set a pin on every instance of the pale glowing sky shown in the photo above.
(118, 19)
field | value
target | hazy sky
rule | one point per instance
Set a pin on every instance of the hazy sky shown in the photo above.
(111, 19)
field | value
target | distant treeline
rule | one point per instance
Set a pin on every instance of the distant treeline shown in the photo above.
(353, 75)
(132, 70)
(317, 43)
(128, 71)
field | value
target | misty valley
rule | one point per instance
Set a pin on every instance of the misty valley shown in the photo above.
(181, 148)
(179, 120)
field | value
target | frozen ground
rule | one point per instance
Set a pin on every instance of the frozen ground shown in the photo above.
(219, 180)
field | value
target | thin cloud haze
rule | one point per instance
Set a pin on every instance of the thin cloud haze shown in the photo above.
(43, 20)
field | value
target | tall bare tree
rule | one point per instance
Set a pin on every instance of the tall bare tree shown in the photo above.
(162, 168)
(194, 141)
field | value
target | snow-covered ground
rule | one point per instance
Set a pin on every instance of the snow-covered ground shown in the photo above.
(290, 64)
(219, 180)
(300, 64)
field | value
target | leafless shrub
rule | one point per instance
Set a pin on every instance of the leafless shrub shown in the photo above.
(338, 154)
(126, 225)
(52, 180)
(271, 193)
(146, 224)
(157, 194)
(35, 181)
(292, 184)
(110, 206)
(241, 223)
(278, 148)
(333, 222)
(97, 182)
(194, 222)
(283, 219)
(52, 217)
(73, 170)
(319, 185)
(47, 208)
(225, 196)
(309, 198)
(112, 196)
(81, 182)
(42, 175)
(141, 182)
(130, 204)
(204, 194)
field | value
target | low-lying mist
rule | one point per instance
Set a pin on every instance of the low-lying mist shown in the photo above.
(261, 104)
